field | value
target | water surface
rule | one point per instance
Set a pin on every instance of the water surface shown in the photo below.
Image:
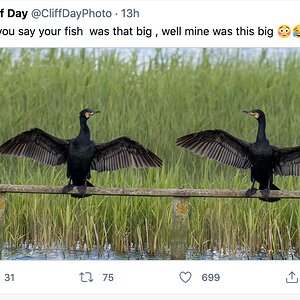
(107, 253)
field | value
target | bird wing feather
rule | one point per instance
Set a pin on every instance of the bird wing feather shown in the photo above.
(123, 153)
(37, 145)
(218, 145)
(287, 161)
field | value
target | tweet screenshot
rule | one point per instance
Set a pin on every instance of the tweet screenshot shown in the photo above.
(150, 148)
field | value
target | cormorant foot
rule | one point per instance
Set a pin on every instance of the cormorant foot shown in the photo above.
(265, 193)
(251, 192)
(67, 188)
(82, 190)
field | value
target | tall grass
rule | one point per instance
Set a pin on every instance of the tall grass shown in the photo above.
(154, 104)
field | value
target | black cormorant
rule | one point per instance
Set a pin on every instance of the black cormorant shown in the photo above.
(81, 154)
(263, 158)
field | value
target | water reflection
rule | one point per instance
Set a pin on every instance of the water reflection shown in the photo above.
(107, 253)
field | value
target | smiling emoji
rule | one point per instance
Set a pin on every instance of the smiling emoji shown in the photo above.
(284, 31)
(296, 31)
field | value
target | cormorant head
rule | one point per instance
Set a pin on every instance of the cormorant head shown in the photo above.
(256, 113)
(87, 113)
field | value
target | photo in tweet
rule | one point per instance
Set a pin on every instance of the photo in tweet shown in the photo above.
(143, 115)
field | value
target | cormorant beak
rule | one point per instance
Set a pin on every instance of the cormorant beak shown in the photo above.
(94, 112)
(252, 113)
(91, 113)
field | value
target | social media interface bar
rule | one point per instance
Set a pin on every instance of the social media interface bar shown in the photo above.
(147, 277)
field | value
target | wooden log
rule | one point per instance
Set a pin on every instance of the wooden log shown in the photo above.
(2, 216)
(179, 235)
(207, 193)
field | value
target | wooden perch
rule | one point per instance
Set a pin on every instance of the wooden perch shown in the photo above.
(207, 193)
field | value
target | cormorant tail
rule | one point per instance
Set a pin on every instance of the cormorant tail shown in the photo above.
(274, 188)
(91, 185)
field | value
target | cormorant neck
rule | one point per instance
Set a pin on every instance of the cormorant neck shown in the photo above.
(84, 133)
(261, 133)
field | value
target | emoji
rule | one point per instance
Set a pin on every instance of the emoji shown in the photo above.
(296, 31)
(284, 31)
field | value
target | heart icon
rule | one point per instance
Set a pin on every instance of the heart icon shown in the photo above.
(185, 276)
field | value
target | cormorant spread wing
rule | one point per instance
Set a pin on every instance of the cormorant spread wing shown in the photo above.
(218, 145)
(37, 145)
(123, 153)
(287, 161)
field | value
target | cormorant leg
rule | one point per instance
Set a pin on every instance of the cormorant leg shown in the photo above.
(67, 188)
(82, 190)
(265, 192)
(252, 190)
